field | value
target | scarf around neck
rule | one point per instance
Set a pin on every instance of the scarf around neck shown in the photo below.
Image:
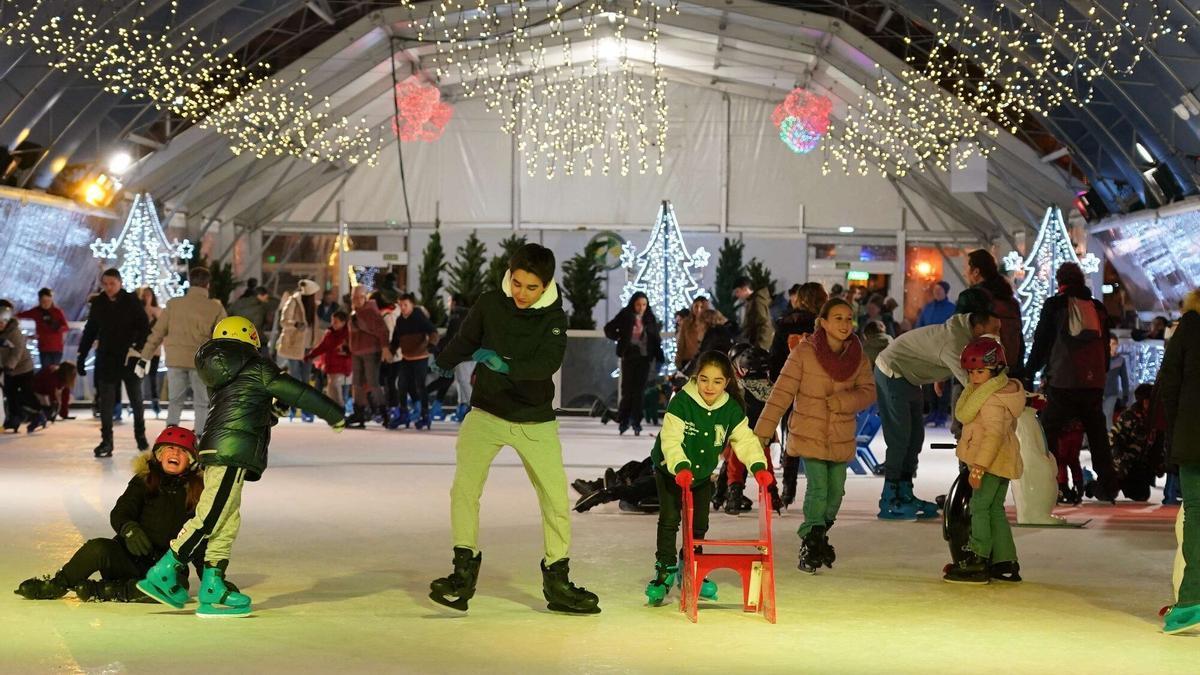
(840, 367)
(973, 398)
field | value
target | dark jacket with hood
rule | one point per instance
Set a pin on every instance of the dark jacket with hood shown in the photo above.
(162, 514)
(531, 341)
(1069, 363)
(242, 388)
(118, 323)
(621, 330)
(795, 322)
(1179, 390)
(1012, 332)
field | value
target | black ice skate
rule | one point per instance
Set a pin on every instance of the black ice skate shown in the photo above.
(564, 596)
(455, 590)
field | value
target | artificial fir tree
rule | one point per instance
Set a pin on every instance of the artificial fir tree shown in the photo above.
(467, 272)
(145, 257)
(1050, 250)
(583, 285)
(760, 276)
(729, 268)
(429, 276)
(664, 271)
(499, 264)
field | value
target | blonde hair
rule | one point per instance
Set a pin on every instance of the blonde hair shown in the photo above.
(1192, 302)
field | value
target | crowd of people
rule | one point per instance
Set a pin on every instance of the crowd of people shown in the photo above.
(742, 381)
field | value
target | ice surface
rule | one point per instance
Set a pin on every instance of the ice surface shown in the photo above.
(341, 537)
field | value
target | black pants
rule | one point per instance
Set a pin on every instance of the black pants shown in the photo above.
(152, 381)
(412, 383)
(20, 399)
(1085, 405)
(635, 368)
(109, 558)
(388, 373)
(670, 507)
(108, 393)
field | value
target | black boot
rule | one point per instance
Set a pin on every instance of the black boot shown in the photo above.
(791, 470)
(810, 550)
(776, 500)
(972, 569)
(587, 487)
(562, 595)
(359, 419)
(43, 588)
(594, 499)
(828, 555)
(110, 591)
(720, 491)
(142, 444)
(105, 449)
(733, 501)
(460, 585)
(1009, 570)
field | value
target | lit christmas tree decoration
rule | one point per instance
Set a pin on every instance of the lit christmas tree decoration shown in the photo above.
(145, 257)
(1050, 250)
(665, 272)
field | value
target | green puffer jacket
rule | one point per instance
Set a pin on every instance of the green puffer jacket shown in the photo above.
(242, 388)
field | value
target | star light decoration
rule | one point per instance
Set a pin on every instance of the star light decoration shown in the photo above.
(1050, 250)
(664, 271)
(571, 96)
(145, 256)
(423, 113)
(198, 80)
(802, 119)
(1007, 63)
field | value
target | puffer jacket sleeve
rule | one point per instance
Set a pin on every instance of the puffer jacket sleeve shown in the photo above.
(129, 505)
(782, 395)
(860, 396)
(299, 395)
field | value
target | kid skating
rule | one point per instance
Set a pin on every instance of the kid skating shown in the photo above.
(826, 381)
(518, 334)
(243, 388)
(988, 410)
(699, 421)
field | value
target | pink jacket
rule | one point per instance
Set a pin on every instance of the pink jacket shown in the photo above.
(989, 434)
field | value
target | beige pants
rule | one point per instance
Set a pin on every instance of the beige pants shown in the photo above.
(217, 518)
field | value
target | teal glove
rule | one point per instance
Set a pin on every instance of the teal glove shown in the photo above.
(490, 359)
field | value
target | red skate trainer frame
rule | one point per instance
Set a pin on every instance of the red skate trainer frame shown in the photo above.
(756, 569)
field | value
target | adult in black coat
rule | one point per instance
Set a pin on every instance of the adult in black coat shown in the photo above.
(639, 346)
(1179, 392)
(805, 304)
(1076, 370)
(119, 323)
(158, 500)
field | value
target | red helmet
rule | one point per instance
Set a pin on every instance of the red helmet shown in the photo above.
(983, 352)
(179, 436)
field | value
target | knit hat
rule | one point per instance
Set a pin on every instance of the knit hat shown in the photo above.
(945, 285)
(308, 287)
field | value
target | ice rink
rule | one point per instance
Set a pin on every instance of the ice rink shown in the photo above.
(343, 534)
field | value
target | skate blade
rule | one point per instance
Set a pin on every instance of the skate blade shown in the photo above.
(963, 582)
(1181, 629)
(152, 593)
(811, 571)
(220, 613)
(460, 604)
(563, 609)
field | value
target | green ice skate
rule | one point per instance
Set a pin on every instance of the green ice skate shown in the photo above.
(217, 600)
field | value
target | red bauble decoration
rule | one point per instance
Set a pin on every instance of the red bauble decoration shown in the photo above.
(423, 113)
(812, 110)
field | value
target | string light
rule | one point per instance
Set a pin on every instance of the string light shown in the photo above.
(1050, 250)
(664, 271)
(180, 73)
(571, 107)
(1006, 64)
(145, 256)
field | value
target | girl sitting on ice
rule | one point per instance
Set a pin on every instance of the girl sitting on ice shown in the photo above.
(706, 414)
(826, 381)
(988, 410)
(159, 499)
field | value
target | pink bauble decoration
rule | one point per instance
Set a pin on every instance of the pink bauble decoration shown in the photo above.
(423, 114)
(811, 109)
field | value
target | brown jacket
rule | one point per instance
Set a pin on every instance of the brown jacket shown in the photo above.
(823, 421)
(757, 327)
(368, 332)
(989, 438)
(691, 334)
(183, 326)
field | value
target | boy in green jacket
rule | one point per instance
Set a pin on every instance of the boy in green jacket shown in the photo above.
(518, 334)
(243, 387)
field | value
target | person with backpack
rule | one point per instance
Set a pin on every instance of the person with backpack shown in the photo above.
(1071, 345)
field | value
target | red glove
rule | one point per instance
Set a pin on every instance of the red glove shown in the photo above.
(684, 478)
(764, 477)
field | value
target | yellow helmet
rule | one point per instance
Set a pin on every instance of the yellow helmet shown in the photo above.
(237, 328)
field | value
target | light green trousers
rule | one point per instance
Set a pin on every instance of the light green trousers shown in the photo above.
(218, 516)
(480, 439)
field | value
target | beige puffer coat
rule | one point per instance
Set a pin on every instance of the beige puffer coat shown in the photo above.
(296, 335)
(989, 438)
(823, 421)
